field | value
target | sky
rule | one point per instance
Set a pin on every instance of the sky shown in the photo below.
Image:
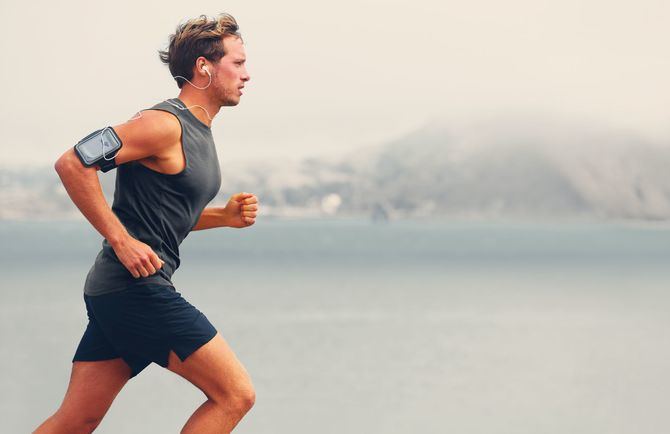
(332, 78)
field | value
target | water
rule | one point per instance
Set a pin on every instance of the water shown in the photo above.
(346, 326)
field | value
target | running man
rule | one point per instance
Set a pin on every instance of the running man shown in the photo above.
(167, 171)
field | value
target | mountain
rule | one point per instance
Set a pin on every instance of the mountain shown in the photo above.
(527, 168)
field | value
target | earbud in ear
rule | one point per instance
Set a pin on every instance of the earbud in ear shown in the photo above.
(204, 68)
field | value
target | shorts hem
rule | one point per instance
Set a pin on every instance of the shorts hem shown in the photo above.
(93, 358)
(193, 350)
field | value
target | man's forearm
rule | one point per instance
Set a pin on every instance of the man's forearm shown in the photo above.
(212, 217)
(83, 187)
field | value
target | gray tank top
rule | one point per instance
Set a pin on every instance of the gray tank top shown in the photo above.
(157, 208)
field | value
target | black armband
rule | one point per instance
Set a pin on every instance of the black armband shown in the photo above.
(100, 147)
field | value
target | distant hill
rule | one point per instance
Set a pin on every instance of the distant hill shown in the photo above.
(508, 168)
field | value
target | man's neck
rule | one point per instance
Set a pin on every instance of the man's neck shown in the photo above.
(196, 98)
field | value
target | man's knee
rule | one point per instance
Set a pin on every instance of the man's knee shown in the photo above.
(241, 399)
(89, 425)
(84, 423)
(247, 399)
(75, 424)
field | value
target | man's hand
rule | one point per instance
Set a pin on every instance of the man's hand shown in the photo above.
(137, 257)
(240, 211)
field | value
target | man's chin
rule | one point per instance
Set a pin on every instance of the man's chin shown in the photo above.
(229, 103)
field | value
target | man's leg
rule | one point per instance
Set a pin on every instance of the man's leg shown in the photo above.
(215, 370)
(92, 389)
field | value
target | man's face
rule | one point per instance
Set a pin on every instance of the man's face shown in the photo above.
(230, 73)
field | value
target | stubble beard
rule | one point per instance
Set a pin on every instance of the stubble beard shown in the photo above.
(227, 98)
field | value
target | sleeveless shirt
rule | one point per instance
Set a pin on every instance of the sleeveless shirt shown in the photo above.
(159, 209)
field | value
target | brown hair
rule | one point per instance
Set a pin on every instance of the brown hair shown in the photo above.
(201, 36)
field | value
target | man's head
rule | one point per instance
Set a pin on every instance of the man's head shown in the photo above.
(210, 51)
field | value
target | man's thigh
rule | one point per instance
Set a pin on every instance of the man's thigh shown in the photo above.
(93, 387)
(213, 368)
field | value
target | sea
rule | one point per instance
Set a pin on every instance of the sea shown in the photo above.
(355, 326)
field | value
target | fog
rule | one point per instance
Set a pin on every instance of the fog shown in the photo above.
(329, 78)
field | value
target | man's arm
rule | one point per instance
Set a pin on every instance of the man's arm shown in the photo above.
(83, 186)
(213, 217)
(239, 212)
(141, 138)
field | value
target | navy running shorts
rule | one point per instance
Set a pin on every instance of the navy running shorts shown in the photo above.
(141, 324)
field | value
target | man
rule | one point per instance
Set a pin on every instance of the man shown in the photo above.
(167, 171)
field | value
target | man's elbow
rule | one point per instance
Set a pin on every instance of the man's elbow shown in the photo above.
(68, 161)
(58, 165)
(63, 166)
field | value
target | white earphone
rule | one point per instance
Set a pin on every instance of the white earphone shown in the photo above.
(204, 68)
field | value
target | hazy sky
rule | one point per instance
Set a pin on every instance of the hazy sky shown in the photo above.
(336, 76)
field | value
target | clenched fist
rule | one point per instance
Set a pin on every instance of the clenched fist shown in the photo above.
(138, 257)
(241, 210)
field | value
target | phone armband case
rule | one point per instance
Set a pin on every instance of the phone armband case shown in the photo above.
(91, 148)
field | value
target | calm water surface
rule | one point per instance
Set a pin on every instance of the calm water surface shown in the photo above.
(351, 327)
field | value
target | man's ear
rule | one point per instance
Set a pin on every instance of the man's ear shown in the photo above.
(201, 65)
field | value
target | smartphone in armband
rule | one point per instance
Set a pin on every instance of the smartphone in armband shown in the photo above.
(100, 147)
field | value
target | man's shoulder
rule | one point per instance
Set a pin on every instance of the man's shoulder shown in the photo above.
(147, 134)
